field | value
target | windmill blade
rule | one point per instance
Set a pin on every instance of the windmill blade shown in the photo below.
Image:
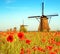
(52, 15)
(34, 16)
(42, 8)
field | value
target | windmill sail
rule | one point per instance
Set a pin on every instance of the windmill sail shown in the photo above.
(42, 8)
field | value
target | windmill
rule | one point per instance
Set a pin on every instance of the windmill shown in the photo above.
(22, 27)
(43, 20)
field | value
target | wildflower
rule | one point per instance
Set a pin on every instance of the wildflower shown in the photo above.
(4, 34)
(57, 34)
(12, 33)
(58, 43)
(28, 41)
(21, 35)
(28, 51)
(51, 41)
(56, 50)
(41, 49)
(49, 47)
(10, 38)
(52, 53)
(34, 48)
(22, 51)
(43, 40)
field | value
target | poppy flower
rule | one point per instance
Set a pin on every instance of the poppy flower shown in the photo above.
(22, 51)
(51, 41)
(57, 34)
(10, 38)
(34, 48)
(49, 47)
(52, 53)
(28, 41)
(28, 51)
(41, 49)
(21, 35)
(56, 50)
(58, 43)
(12, 33)
(43, 40)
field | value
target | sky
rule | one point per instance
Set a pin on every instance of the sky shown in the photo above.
(14, 12)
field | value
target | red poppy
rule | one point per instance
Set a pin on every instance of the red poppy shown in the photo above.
(52, 53)
(10, 38)
(28, 41)
(28, 51)
(43, 40)
(51, 41)
(57, 34)
(21, 35)
(58, 43)
(49, 47)
(56, 50)
(34, 48)
(41, 49)
(8, 33)
(12, 33)
(4, 34)
(22, 51)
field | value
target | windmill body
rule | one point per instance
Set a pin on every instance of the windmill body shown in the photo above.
(43, 26)
(23, 28)
(43, 20)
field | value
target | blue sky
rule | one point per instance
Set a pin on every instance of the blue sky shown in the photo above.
(13, 12)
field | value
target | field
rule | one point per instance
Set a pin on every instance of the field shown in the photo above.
(30, 43)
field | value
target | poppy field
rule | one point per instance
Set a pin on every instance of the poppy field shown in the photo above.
(30, 43)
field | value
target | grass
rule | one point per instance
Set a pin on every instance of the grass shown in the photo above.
(44, 43)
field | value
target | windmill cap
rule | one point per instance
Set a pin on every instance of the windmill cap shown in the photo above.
(44, 16)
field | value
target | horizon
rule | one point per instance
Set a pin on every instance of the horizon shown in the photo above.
(14, 12)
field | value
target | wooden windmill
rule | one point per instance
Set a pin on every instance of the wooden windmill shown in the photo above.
(43, 20)
(22, 27)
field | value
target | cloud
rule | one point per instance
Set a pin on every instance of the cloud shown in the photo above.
(9, 1)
